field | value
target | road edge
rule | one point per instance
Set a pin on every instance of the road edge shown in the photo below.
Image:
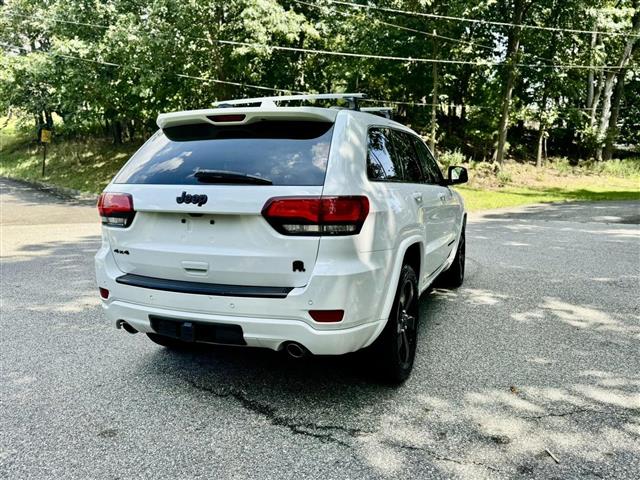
(63, 193)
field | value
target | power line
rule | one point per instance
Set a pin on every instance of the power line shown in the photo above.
(422, 32)
(479, 21)
(119, 65)
(400, 27)
(257, 87)
(406, 59)
(373, 56)
(443, 105)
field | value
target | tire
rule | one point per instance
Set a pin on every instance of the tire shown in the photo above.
(453, 277)
(169, 342)
(395, 348)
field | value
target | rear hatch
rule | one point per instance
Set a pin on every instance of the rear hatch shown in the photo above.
(199, 186)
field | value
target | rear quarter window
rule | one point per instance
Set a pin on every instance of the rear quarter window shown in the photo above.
(284, 152)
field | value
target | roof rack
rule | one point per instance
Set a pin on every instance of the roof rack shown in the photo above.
(351, 98)
(380, 111)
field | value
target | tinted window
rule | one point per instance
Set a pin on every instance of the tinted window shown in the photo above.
(404, 149)
(285, 152)
(381, 163)
(429, 165)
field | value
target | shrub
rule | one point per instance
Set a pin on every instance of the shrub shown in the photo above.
(503, 177)
(447, 158)
(629, 167)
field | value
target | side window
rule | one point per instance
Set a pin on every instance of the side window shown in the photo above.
(404, 149)
(429, 165)
(381, 163)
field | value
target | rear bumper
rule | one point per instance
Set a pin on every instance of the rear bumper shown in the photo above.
(258, 332)
(359, 288)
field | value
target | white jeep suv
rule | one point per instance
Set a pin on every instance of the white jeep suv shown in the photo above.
(286, 227)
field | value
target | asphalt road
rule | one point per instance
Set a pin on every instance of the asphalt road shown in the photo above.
(540, 350)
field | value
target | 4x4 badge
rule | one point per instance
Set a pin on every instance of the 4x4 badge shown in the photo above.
(195, 199)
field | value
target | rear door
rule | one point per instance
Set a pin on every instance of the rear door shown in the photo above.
(199, 190)
(397, 181)
(421, 193)
(440, 217)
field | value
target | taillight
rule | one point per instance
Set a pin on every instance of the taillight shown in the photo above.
(317, 215)
(104, 293)
(116, 209)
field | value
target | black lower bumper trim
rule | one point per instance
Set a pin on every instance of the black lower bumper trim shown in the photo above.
(188, 331)
(199, 288)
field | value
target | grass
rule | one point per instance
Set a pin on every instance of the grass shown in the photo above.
(477, 199)
(521, 184)
(89, 165)
(86, 166)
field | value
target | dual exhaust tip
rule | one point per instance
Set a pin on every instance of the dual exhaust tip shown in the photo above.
(293, 349)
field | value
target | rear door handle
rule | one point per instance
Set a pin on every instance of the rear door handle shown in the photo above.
(417, 197)
(442, 197)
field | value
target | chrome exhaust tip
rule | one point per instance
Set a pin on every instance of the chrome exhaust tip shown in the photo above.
(295, 350)
(127, 328)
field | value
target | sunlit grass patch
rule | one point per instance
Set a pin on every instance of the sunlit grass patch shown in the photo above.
(81, 165)
(486, 199)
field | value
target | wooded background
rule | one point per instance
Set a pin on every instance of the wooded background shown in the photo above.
(492, 78)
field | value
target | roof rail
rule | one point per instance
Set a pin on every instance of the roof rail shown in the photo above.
(380, 111)
(352, 98)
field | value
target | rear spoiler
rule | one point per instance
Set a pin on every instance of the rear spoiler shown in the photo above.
(244, 115)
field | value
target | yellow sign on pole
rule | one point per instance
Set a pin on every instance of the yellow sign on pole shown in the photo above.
(45, 136)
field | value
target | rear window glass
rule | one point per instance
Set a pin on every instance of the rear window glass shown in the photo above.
(283, 152)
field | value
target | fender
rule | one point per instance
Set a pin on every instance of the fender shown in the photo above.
(392, 284)
(454, 250)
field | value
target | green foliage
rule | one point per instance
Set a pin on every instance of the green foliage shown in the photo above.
(621, 168)
(447, 158)
(108, 68)
(504, 177)
(627, 168)
(86, 165)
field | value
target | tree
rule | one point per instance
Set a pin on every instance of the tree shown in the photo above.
(607, 130)
(513, 45)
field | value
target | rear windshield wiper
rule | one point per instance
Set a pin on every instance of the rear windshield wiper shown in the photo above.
(223, 176)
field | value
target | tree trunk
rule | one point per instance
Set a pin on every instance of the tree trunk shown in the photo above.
(611, 76)
(512, 58)
(541, 133)
(596, 100)
(434, 106)
(591, 76)
(131, 130)
(116, 131)
(612, 131)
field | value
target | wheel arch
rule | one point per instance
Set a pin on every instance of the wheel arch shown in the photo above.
(410, 250)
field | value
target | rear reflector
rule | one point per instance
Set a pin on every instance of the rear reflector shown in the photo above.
(317, 215)
(116, 209)
(327, 316)
(226, 118)
(104, 293)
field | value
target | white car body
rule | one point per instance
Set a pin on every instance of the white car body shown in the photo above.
(356, 273)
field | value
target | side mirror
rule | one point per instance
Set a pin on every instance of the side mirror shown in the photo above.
(457, 175)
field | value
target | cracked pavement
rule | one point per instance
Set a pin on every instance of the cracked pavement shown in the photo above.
(538, 351)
